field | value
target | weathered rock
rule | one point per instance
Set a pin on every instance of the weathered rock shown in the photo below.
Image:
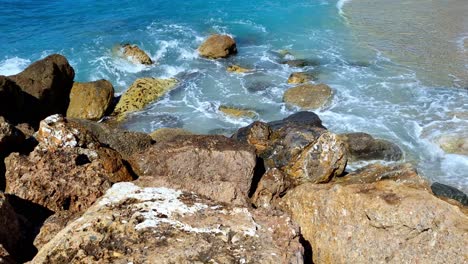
(90, 100)
(301, 77)
(161, 225)
(125, 142)
(442, 190)
(256, 134)
(141, 93)
(10, 138)
(271, 186)
(48, 82)
(237, 112)
(237, 69)
(10, 230)
(52, 226)
(218, 46)
(380, 222)
(5, 257)
(308, 96)
(68, 169)
(454, 143)
(11, 99)
(168, 133)
(135, 54)
(362, 146)
(214, 166)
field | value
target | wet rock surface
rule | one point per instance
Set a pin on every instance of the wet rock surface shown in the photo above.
(90, 100)
(301, 77)
(362, 146)
(237, 112)
(214, 166)
(218, 46)
(308, 96)
(135, 54)
(237, 69)
(161, 225)
(442, 190)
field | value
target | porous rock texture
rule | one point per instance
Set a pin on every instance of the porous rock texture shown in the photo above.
(214, 166)
(131, 224)
(67, 170)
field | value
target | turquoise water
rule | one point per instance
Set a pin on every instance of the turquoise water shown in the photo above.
(372, 93)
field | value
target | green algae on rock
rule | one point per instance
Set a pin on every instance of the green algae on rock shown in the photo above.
(142, 92)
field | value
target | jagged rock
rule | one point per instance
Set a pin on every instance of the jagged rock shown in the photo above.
(10, 230)
(308, 96)
(11, 99)
(67, 170)
(90, 100)
(237, 112)
(141, 93)
(135, 54)
(48, 83)
(10, 138)
(237, 69)
(387, 221)
(442, 190)
(168, 133)
(218, 46)
(299, 146)
(271, 186)
(362, 146)
(52, 226)
(301, 77)
(125, 142)
(161, 225)
(214, 166)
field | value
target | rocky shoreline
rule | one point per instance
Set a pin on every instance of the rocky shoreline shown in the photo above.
(74, 190)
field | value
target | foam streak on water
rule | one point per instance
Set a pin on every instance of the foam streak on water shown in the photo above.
(374, 91)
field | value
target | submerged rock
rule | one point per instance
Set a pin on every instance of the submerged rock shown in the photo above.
(90, 100)
(362, 146)
(308, 96)
(301, 77)
(141, 93)
(237, 69)
(168, 133)
(218, 46)
(454, 143)
(442, 190)
(161, 225)
(390, 220)
(214, 166)
(136, 55)
(68, 169)
(237, 112)
(299, 63)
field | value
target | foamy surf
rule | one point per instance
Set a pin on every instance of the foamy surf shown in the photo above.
(12, 66)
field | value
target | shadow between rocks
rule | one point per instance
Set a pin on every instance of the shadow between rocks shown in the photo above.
(307, 250)
(259, 170)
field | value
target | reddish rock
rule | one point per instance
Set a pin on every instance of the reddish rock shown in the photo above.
(214, 166)
(218, 46)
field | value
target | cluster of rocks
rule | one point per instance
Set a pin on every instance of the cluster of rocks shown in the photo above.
(73, 190)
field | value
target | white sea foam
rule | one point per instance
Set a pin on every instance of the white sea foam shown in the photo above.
(340, 4)
(13, 65)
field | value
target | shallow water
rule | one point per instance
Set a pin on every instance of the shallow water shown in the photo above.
(373, 91)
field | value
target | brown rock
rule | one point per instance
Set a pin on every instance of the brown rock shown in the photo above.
(237, 69)
(218, 46)
(161, 225)
(168, 133)
(68, 170)
(141, 93)
(48, 83)
(381, 222)
(10, 230)
(90, 100)
(301, 77)
(271, 186)
(256, 134)
(308, 96)
(237, 112)
(214, 166)
(52, 226)
(362, 146)
(454, 143)
(135, 54)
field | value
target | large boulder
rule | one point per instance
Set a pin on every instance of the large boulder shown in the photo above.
(48, 83)
(388, 221)
(308, 96)
(218, 46)
(125, 142)
(299, 146)
(10, 230)
(362, 146)
(131, 224)
(135, 54)
(142, 92)
(68, 170)
(90, 100)
(214, 166)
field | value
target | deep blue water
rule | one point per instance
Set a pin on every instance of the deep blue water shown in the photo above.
(372, 93)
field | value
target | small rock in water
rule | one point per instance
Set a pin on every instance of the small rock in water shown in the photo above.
(237, 112)
(301, 77)
(136, 54)
(237, 69)
(300, 63)
(218, 46)
(308, 96)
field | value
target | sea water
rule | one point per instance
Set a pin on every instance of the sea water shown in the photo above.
(377, 88)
